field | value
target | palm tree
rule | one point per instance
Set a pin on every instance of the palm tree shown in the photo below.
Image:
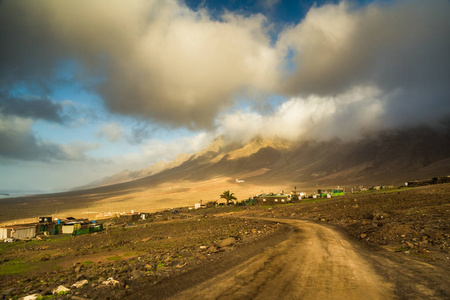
(228, 196)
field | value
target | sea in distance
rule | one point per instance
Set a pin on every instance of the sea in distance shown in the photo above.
(15, 194)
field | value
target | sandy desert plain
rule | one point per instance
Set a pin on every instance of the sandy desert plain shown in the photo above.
(91, 204)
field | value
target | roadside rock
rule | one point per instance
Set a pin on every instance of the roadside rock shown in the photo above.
(80, 283)
(226, 242)
(212, 249)
(59, 289)
(78, 268)
(137, 274)
(410, 245)
(111, 281)
(31, 297)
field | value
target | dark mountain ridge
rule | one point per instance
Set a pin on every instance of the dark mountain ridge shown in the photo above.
(387, 158)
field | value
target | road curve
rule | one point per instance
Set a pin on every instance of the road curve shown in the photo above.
(316, 263)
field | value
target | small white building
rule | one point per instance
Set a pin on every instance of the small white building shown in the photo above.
(17, 232)
(69, 228)
(199, 205)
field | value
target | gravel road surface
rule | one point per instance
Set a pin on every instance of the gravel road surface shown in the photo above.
(315, 263)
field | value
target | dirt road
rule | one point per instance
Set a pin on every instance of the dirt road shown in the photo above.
(315, 263)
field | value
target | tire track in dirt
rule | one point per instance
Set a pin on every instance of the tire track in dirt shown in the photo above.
(315, 263)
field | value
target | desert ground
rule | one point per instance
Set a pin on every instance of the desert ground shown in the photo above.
(390, 244)
(89, 204)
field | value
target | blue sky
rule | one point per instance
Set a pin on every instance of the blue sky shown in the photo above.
(90, 89)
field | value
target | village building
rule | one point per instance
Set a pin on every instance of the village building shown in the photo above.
(272, 199)
(19, 232)
(328, 193)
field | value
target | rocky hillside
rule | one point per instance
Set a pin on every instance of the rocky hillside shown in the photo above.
(387, 158)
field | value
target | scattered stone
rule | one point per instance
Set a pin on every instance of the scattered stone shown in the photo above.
(410, 245)
(424, 251)
(203, 248)
(60, 288)
(137, 274)
(212, 249)
(80, 283)
(407, 252)
(363, 235)
(31, 297)
(226, 242)
(110, 281)
(79, 268)
(403, 235)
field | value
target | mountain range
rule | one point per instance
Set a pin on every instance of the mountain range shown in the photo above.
(261, 165)
(387, 158)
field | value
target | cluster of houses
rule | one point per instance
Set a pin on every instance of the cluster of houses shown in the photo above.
(282, 198)
(48, 226)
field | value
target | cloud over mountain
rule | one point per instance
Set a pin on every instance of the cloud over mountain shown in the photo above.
(401, 48)
(343, 70)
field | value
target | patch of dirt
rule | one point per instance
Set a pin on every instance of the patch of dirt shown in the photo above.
(137, 256)
(404, 233)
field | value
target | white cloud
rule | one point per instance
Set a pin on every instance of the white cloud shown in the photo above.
(156, 150)
(112, 131)
(160, 59)
(76, 150)
(315, 117)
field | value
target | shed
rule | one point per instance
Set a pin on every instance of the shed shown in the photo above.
(23, 232)
(69, 228)
(272, 199)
